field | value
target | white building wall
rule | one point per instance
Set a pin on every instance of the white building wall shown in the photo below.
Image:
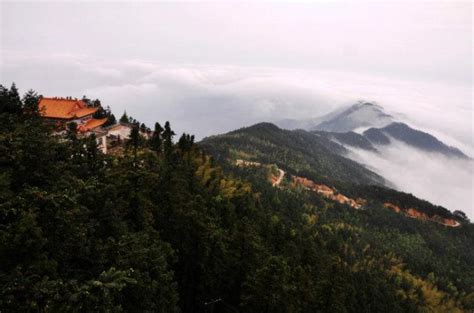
(122, 131)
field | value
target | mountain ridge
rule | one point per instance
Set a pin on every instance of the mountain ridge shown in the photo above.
(252, 144)
(359, 115)
(303, 151)
(366, 124)
(373, 138)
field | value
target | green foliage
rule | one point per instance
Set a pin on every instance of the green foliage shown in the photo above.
(103, 113)
(299, 152)
(156, 139)
(124, 118)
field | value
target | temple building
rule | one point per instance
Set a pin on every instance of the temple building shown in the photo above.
(62, 111)
(65, 109)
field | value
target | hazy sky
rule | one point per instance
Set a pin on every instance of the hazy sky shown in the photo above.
(404, 39)
(210, 67)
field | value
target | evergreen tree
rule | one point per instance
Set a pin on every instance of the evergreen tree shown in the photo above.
(156, 140)
(111, 120)
(86, 100)
(5, 102)
(135, 139)
(30, 103)
(185, 142)
(71, 132)
(14, 95)
(168, 139)
(124, 119)
(10, 100)
(96, 103)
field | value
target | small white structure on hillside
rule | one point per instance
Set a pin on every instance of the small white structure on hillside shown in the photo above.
(120, 130)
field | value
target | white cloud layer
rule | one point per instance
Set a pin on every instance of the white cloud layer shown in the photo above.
(430, 176)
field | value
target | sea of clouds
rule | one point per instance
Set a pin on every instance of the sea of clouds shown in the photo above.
(434, 177)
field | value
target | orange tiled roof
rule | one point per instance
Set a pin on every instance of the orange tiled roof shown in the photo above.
(91, 124)
(64, 108)
(84, 112)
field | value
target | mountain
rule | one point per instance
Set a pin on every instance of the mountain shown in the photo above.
(293, 124)
(416, 138)
(308, 123)
(316, 161)
(365, 125)
(298, 151)
(374, 137)
(349, 138)
(360, 115)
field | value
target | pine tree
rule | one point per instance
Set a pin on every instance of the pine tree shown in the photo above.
(135, 139)
(143, 128)
(30, 103)
(13, 94)
(86, 100)
(71, 132)
(156, 139)
(4, 100)
(185, 142)
(96, 103)
(10, 100)
(168, 139)
(111, 120)
(124, 119)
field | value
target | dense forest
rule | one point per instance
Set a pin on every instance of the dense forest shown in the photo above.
(166, 227)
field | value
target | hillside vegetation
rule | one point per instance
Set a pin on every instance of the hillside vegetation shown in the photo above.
(314, 156)
(300, 152)
(163, 227)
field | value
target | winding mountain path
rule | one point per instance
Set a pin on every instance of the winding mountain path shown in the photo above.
(279, 179)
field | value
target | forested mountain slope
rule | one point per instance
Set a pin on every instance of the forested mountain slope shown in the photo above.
(315, 156)
(162, 227)
(297, 151)
(421, 242)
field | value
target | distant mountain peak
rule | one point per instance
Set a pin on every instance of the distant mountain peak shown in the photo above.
(263, 126)
(367, 104)
(366, 124)
(363, 114)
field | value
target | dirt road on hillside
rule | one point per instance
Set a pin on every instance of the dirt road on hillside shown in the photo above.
(280, 178)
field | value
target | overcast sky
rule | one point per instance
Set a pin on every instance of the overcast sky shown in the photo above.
(232, 64)
(211, 68)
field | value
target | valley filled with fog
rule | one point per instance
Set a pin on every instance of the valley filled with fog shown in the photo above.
(442, 180)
